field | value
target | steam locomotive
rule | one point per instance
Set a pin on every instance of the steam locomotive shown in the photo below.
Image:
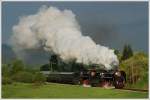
(78, 74)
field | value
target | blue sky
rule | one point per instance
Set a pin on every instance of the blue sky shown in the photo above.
(111, 24)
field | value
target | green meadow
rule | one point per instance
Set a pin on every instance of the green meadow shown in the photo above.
(54, 90)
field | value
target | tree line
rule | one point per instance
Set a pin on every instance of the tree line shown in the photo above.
(135, 64)
(17, 72)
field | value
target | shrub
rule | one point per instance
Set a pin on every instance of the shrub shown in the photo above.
(6, 70)
(6, 80)
(39, 78)
(136, 69)
(17, 66)
(23, 76)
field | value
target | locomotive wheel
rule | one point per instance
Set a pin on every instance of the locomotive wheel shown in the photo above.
(119, 83)
(94, 84)
(76, 81)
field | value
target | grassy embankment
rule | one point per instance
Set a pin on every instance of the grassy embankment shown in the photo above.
(52, 90)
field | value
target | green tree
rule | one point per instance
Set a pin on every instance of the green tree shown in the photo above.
(17, 66)
(54, 59)
(127, 52)
(136, 68)
(116, 52)
(45, 67)
(54, 62)
(6, 75)
(5, 70)
(6, 80)
(130, 51)
(39, 78)
(23, 76)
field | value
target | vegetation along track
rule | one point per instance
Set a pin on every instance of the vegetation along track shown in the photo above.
(138, 90)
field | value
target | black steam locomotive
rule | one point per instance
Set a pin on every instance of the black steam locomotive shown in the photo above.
(77, 74)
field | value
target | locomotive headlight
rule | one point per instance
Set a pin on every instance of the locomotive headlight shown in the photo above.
(102, 74)
(118, 74)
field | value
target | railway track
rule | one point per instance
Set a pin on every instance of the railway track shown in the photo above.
(138, 90)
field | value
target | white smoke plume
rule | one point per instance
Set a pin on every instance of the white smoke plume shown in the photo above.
(59, 32)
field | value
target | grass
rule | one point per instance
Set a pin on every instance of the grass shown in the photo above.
(53, 90)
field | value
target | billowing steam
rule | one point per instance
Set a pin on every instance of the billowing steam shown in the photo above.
(59, 32)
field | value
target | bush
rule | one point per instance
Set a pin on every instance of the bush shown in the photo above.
(39, 78)
(6, 80)
(136, 69)
(6, 70)
(17, 66)
(23, 76)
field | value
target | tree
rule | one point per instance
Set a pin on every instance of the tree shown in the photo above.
(54, 59)
(23, 76)
(6, 75)
(136, 68)
(116, 52)
(17, 66)
(5, 70)
(130, 51)
(127, 52)
(6, 80)
(39, 78)
(45, 67)
(72, 63)
(54, 62)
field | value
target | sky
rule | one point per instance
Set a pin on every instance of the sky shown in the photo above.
(111, 24)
